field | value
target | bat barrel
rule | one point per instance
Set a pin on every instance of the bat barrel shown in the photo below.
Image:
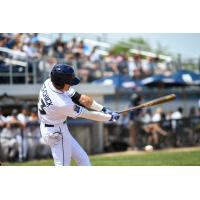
(152, 103)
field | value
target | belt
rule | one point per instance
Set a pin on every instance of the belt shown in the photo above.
(51, 125)
(48, 125)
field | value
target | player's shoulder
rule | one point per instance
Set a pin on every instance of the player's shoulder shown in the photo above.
(46, 81)
(71, 92)
(45, 84)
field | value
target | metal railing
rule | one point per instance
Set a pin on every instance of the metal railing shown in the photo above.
(17, 68)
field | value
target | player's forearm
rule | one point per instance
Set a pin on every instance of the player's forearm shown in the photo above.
(93, 115)
(88, 102)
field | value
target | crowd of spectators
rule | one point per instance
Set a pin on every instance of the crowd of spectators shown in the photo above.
(88, 61)
(20, 136)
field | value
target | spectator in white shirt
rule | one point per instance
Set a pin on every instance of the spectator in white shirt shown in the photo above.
(157, 115)
(154, 129)
(178, 114)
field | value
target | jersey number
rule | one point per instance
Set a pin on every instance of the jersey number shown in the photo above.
(42, 111)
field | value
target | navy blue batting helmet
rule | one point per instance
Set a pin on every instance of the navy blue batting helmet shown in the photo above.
(63, 73)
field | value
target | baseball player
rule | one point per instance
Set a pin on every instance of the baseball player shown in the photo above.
(57, 101)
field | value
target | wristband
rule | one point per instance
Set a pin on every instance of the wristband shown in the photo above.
(96, 106)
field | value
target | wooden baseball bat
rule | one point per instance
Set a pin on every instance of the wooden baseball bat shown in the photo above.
(151, 103)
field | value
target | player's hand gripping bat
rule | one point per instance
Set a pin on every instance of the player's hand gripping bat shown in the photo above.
(151, 103)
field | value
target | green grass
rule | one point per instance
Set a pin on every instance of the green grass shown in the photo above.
(152, 159)
(188, 157)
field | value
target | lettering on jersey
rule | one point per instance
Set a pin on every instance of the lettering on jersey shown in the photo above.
(41, 109)
(77, 108)
(45, 95)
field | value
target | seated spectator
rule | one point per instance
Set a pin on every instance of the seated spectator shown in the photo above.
(146, 116)
(123, 64)
(59, 51)
(148, 66)
(157, 115)
(135, 67)
(96, 72)
(178, 114)
(131, 67)
(177, 124)
(154, 129)
(193, 125)
(84, 71)
(110, 68)
(169, 115)
(72, 44)
(94, 55)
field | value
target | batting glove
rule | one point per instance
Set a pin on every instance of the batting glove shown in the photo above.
(114, 116)
(107, 110)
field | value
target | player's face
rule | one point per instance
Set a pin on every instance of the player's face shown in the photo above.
(66, 87)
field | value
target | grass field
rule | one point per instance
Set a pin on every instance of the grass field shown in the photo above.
(172, 157)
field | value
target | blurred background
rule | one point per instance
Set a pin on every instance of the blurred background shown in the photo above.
(119, 71)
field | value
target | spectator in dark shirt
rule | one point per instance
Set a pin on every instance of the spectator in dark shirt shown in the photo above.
(123, 65)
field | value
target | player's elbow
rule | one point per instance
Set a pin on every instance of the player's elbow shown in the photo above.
(86, 101)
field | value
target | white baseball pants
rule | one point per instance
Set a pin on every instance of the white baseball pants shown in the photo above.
(63, 146)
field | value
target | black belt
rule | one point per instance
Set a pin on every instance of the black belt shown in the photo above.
(51, 125)
(48, 125)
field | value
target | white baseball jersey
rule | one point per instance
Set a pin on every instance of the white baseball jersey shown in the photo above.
(55, 106)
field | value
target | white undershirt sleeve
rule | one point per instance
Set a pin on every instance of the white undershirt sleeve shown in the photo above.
(96, 106)
(71, 92)
(93, 115)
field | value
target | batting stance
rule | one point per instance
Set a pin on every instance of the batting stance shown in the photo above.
(57, 101)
